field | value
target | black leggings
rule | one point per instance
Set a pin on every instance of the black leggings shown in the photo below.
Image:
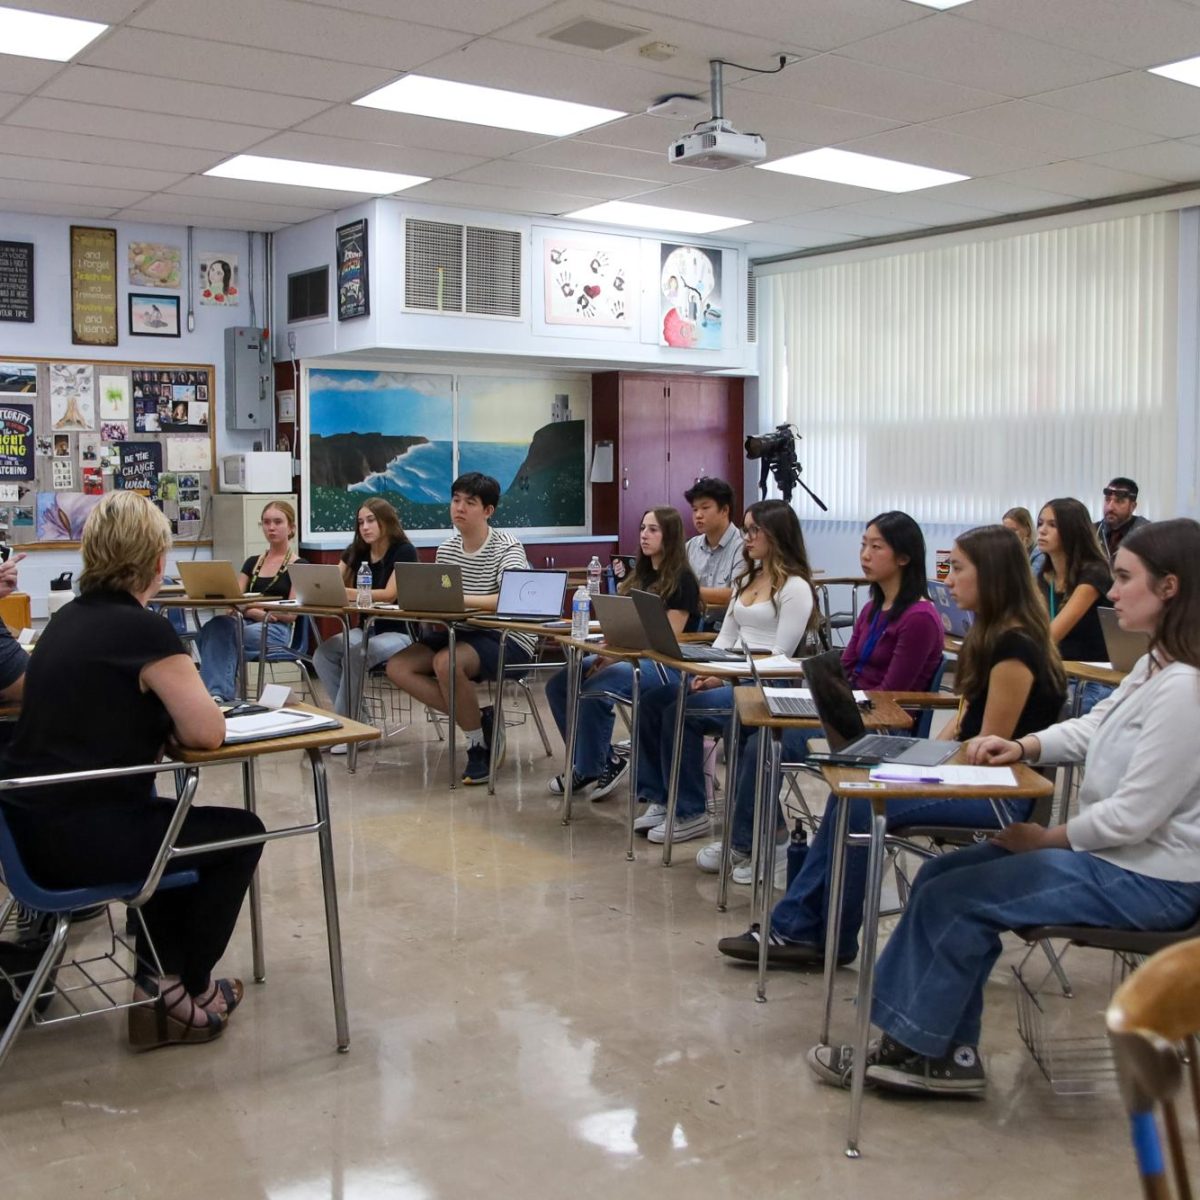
(115, 841)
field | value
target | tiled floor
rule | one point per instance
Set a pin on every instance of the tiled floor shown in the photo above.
(532, 1016)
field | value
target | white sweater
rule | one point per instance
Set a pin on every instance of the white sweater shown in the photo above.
(1139, 805)
(761, 626)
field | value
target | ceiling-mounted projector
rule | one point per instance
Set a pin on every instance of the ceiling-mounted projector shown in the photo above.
(715, 144)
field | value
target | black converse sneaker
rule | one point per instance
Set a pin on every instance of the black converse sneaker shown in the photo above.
(958, 1073)
(833, 1064)
(615, 770)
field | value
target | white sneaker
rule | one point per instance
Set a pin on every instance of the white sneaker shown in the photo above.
(744, 875)
(340, 748)
(709, 857)
(684, 831)
(650, 818)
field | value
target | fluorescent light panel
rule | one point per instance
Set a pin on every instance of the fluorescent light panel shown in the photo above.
(649, 216)
(315, 175)
(446, 100)
(942, 5)
(40, 35)
(1187, 70)
(861, 170)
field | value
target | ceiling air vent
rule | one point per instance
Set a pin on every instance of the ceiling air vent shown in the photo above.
(751, 306)
(462, 269)
(594, 35)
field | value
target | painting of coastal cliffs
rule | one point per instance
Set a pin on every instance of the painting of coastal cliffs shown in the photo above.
(392, 434)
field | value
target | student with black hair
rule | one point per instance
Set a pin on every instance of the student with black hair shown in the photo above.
(715, 551)
(422, 670)
(1120, 501)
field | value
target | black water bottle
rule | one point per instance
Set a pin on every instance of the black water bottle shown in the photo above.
(797, 849)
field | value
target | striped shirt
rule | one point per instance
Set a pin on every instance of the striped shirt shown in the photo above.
(482, 568)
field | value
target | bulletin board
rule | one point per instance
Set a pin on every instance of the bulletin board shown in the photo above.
(72, 430)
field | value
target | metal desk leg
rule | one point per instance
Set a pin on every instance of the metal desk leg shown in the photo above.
(756, 824)
(635, 692)
(1069, 769)
(240, 635)
(497, 716)
(574, 683)
(356, 692)
(250, 800)
(333, 929)
(833, 920)
(731, 767)
(765, 875)
(866, 973)
(452, 723)
(676, 755)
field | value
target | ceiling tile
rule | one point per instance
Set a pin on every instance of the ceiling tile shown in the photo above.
(1138, 33)
(8, 101)
(1086, 180)
(754, 195)
(1135, 99)
(374, 156)
(1178, 162)
(19, 190)
(996, 195)
(798, 120)
(854, 224)
(794, 237)
(298, 28)
(169, 56)
(82, 148)
(507, 173)
(90, 174)
(1058, 133)
(207, 208)
(946, 47)
(108, 11)
(149, 216)
(897, 95)
(468, 15)
(97, 85)
(20, 74)
(71, 117)
(922, 208)
(653, 135)
(575, 154)
(930, 147)
(485, 198)
(265, 193)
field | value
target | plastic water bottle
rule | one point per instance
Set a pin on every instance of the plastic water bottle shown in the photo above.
(595, 574)
(363, 599)
(581, 611)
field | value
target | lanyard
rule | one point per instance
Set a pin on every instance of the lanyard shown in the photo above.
(1053, 604)
(874, 633)
(287, 558)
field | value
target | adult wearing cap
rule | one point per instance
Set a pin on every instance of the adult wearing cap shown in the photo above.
(1120, 500)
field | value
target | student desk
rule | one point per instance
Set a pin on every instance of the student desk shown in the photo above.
(311, 744)
(178, 599)
(843, 781)
(1082, 672)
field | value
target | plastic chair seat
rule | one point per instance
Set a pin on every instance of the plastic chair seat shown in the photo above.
(1122, 941)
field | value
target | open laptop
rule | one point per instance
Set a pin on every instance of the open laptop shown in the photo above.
(619, 622)
(849, 741)
(660, 637)
(527, 595)
(430, 587)
(798, 705)
(319, 583)
(955, 621)
(1123, 645)
(215, 580)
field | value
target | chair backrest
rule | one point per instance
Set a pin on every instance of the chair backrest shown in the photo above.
(301, 636)
(1152, 1021)
(924, 721)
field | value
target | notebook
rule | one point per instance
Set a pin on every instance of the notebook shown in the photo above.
(215, 580)
(279, 722)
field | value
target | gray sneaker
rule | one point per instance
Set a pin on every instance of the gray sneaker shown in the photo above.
(650, 818)
(708, 858)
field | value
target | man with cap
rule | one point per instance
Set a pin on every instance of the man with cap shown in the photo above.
(1120, 499)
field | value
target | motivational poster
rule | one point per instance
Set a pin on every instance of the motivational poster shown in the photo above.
(141, 465)
(93, 286)
(16, 281)
(16, 441)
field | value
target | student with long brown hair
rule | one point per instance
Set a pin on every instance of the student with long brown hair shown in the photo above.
(772, 608)
(662, 568)
(1011, 681)
(379, 541)
(1129, 859)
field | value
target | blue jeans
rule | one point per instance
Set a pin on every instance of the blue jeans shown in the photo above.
(218, 650)
(593, 735)
(795, 749)
(656, 735)
(802, 914)
(329, 662)
(930, 977)
(1093, 693)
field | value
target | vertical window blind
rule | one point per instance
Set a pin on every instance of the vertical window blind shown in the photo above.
(958, 381)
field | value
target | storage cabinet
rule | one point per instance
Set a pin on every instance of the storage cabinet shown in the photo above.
(237, 532)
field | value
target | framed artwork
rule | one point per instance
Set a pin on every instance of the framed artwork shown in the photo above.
(152, 264)
(93, 286)
(590, 282)
(353, 283)
(153, 315)
(690, 301)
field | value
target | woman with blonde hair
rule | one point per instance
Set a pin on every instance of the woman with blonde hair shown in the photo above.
(662, 568)
(108, 685)
(267, 574)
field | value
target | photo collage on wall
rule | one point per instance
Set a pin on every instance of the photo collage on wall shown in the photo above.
(170, 401)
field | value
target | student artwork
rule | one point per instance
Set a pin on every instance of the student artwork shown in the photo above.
(18, 379)
(590, 282)
(153, 315)
(113, 391)
(189, 454)
(16, 442)
(10, 493)
(60, 515)
(152, 264)
(141, 465)
(72, 396)
(219, 279)
(22, 517)
(62, 478)
(690, 312)
(43, 447)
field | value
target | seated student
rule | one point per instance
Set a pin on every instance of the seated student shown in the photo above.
(380, 541)
(13, 658)
(1011, 681)
(715, 553)
(108, 684)
(1130, 858)
(1020, 522)
(773, 607)
(1074, 580)
(896, 646)
(662, 568)
(423, 670)
(1119, 519)
(266, 573)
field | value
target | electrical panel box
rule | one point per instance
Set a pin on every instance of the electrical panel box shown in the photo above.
(248, 379)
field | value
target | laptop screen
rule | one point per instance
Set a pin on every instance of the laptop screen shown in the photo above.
(532, 593)
(834, 699)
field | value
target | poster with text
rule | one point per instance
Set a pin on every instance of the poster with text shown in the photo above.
(141, 465)
(16, 281)
(590, 282)
(690, 309)
(16, 441)
(93, 286)
(353, 281)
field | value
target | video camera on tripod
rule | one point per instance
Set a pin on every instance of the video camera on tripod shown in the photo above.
(779, 456)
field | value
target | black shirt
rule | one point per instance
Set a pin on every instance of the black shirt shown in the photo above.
(277, 587)
(685, 597)
(1045, 697)
(381, 572)
(1085, 642)
(83, 707)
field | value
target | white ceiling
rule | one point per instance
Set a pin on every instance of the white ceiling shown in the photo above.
(1043, 102)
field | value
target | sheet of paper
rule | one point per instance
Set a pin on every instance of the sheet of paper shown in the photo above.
(721, 668)
(779, 662)
(1106, 665)
(189, 453)
(805, 693)
(999, 777)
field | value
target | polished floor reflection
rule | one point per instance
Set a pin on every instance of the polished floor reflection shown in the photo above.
(531, 1016)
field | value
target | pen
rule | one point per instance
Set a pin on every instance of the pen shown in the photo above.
(910, 778)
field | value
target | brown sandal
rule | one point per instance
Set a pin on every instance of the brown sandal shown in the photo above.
(152, 1026)
(231, 989)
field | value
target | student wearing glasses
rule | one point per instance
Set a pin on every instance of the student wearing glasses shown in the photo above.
(1120, 501)
(772, 607)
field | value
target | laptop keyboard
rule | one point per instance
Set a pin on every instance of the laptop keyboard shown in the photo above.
(708, 654)
(880, 743)
(791, 706)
